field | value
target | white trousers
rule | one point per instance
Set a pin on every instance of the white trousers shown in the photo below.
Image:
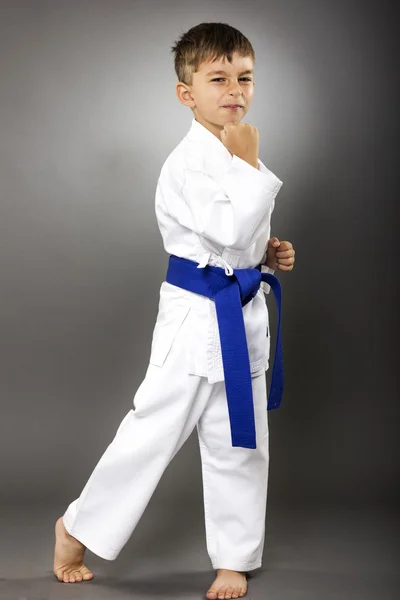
(168, 404)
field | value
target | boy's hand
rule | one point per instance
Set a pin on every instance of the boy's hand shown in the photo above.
(243, 140)
(282, 259)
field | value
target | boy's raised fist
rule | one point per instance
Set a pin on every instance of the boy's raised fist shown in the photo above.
(243, 140)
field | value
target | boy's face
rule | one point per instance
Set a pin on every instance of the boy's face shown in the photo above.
(210, 92)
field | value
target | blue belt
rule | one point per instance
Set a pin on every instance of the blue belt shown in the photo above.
(231, 293)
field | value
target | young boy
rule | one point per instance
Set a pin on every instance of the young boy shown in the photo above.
(214, 201)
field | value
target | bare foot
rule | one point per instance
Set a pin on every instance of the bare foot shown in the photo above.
(228, 584)
(68, 557)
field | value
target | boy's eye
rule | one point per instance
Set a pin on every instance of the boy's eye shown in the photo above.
(219, 78)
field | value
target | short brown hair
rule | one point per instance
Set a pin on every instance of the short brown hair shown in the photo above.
(208, 41)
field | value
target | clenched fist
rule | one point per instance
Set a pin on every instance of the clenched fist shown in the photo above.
(280, 255)
(243, 140)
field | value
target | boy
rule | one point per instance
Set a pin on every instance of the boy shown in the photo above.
(214, 201)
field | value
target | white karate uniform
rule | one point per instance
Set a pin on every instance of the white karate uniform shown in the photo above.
(214, 209)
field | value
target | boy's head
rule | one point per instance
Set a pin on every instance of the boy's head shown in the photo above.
(214, 47)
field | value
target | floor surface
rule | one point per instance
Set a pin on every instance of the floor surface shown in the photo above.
(323, 554)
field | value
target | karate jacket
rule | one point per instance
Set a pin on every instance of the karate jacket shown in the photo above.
(212, 208)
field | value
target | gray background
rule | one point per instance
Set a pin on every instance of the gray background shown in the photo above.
(88, 115)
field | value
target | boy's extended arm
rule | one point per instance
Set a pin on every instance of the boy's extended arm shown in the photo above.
(227, 209)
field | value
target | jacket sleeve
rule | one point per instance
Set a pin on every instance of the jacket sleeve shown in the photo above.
(264, 269)
(264, 285)
(226, 209)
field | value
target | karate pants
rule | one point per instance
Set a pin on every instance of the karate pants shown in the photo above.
(168, 404)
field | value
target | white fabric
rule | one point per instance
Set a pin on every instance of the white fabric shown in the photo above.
(214, 209)
(166, 410)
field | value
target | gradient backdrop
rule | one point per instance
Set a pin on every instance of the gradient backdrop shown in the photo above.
(88, 115)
